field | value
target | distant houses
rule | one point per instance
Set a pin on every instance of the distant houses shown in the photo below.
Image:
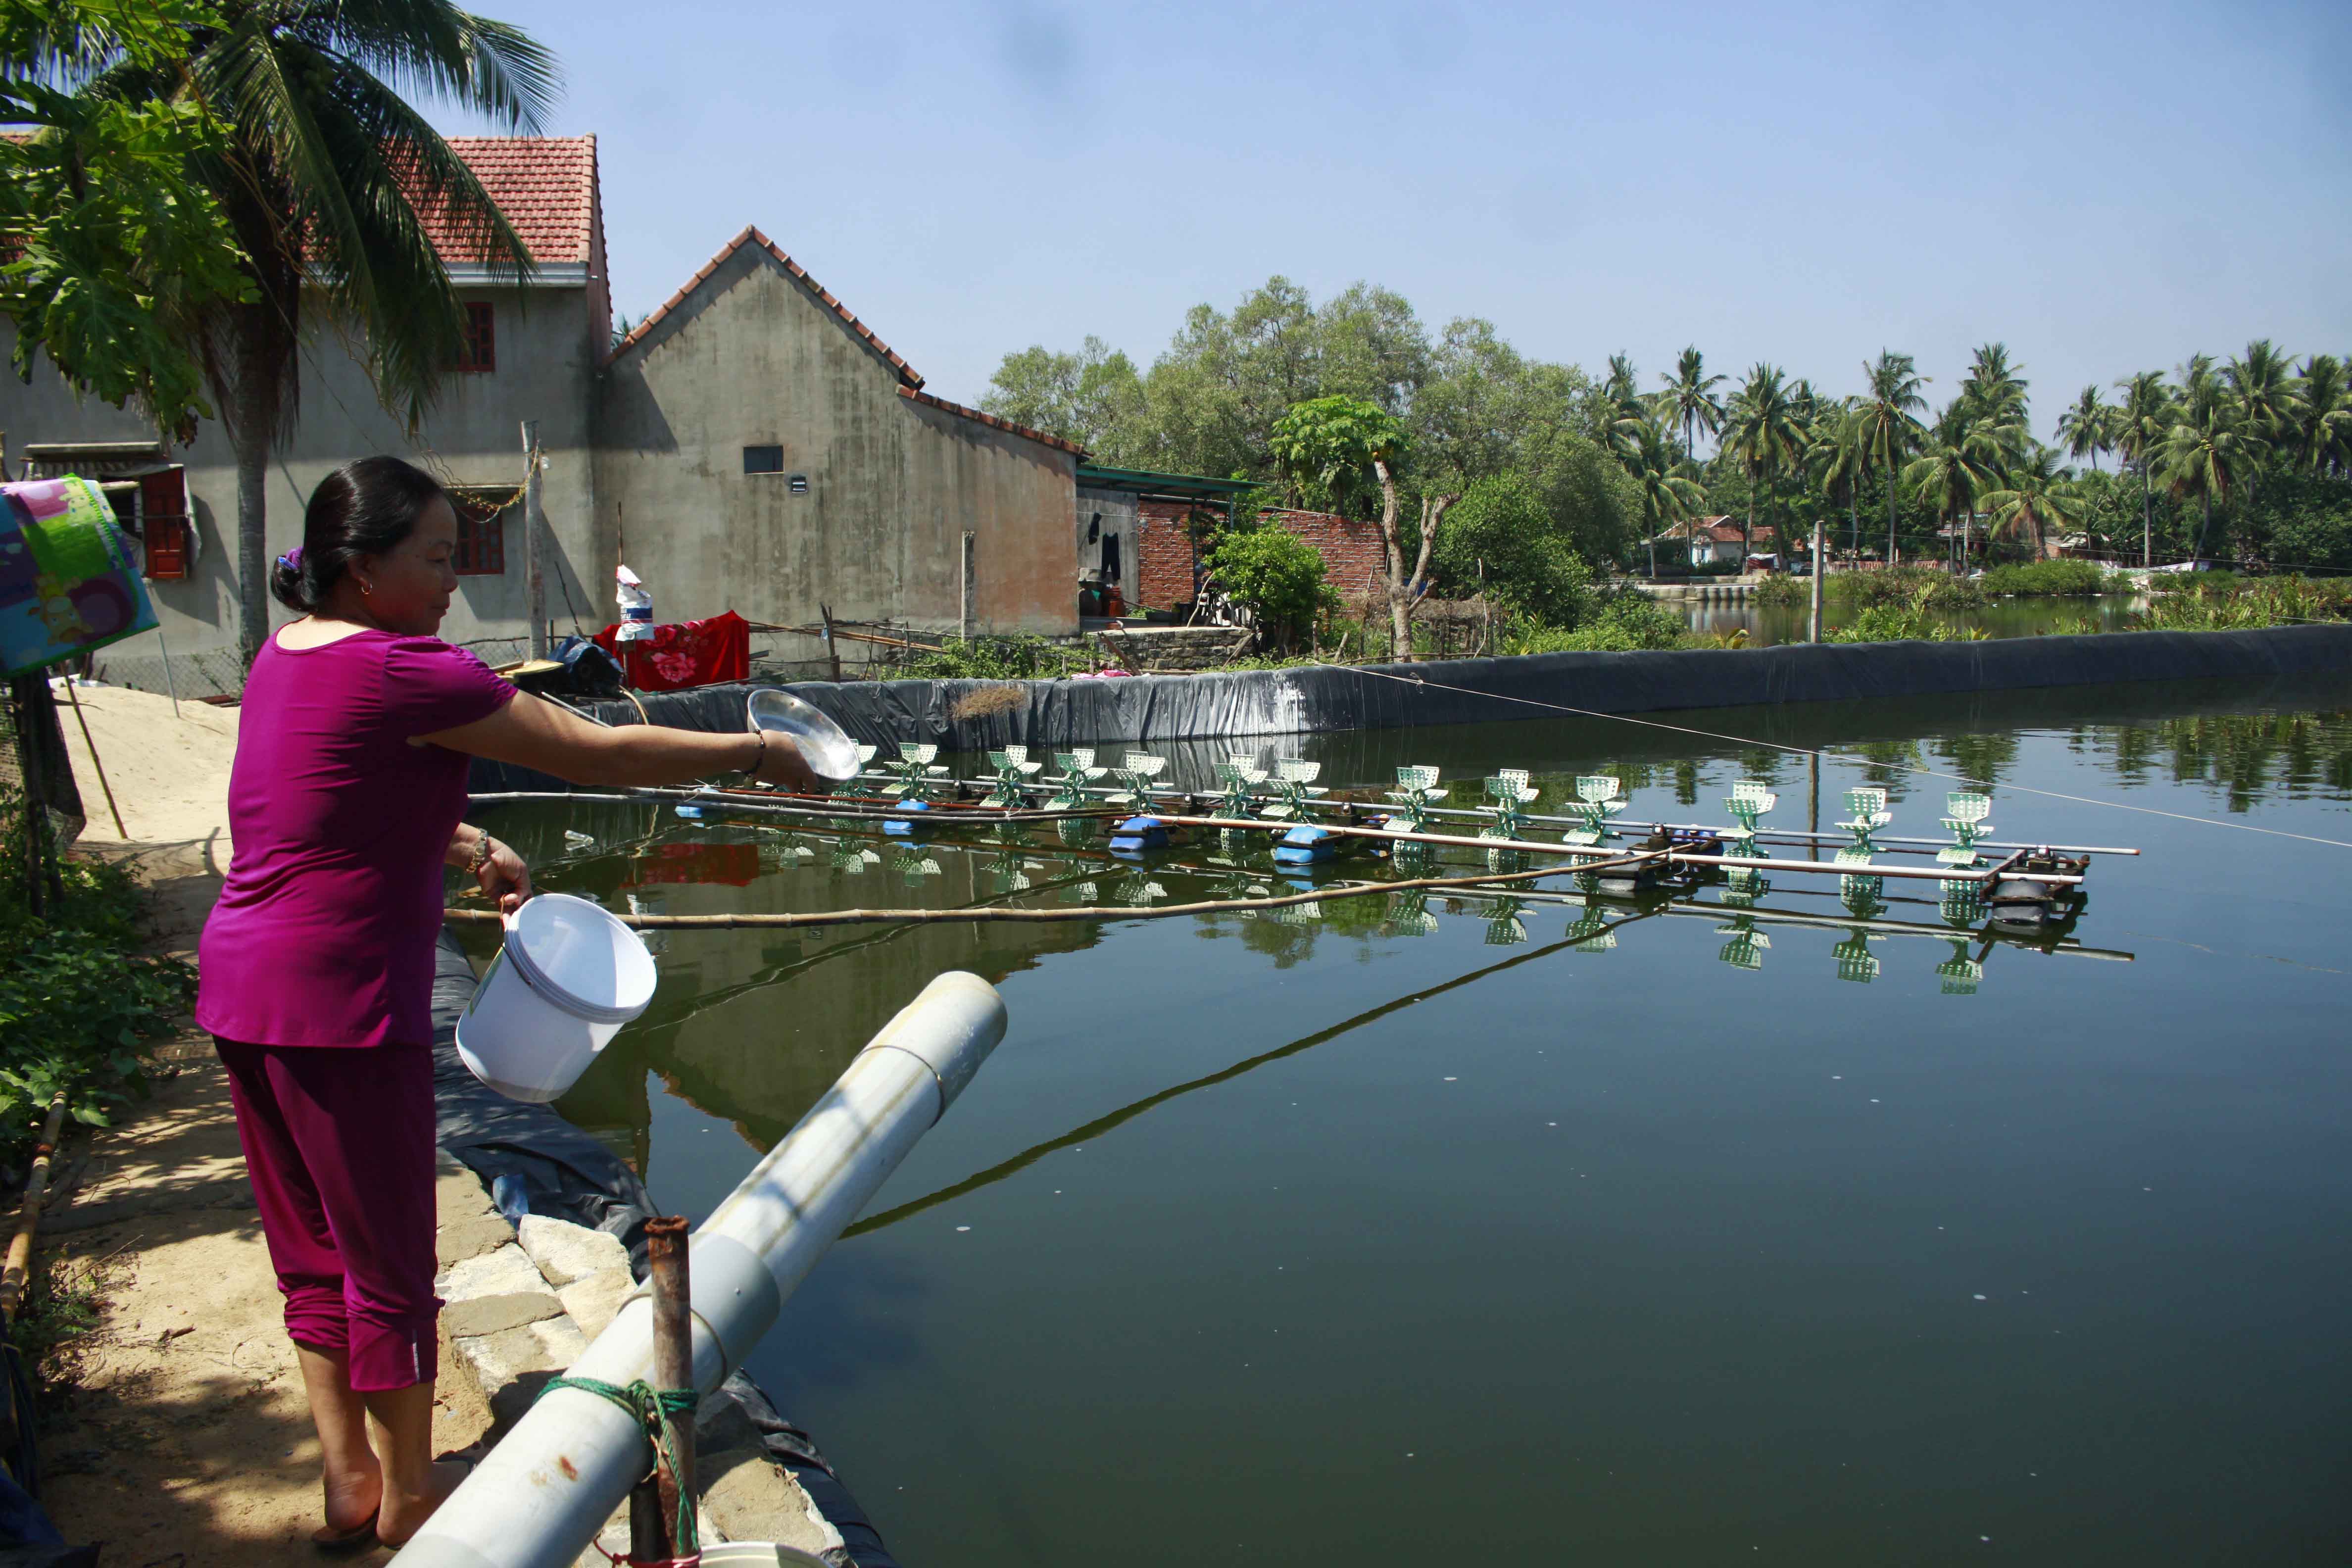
(751, 446)
(1710, 541)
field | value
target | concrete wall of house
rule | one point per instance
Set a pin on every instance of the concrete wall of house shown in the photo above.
(546, 358)
(753, 358)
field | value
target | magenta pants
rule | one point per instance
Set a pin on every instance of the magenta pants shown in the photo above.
(338, 1145)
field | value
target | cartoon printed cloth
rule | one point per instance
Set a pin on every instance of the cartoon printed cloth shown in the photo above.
(700, 653)
(68, 581)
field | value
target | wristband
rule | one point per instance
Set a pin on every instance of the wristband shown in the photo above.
(754, 768)
(482, 856)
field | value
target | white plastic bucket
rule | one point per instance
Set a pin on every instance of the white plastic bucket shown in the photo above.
(567, 978)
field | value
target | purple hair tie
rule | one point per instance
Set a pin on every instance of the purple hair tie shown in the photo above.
(292, 559)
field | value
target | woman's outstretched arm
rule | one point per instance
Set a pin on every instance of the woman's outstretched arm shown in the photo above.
(534, 734)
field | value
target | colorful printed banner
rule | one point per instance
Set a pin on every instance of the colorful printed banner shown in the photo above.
(68, 581)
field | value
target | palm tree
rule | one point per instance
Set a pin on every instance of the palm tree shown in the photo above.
(1843, 463)
(2208, 451)
(1961, 461)
(1622, 388)
(1994, 389)
(326, 176)
(1760, 433)
(1889, 427)
(2264, 384)
(2038, 495)
(1691, 401)
(2088, 427)
(2141, 422)
(2323, 432)
(1666, 497)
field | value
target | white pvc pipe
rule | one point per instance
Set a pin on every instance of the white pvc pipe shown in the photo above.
(542, 1494)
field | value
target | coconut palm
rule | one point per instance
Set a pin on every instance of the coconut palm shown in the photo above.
(2088, 427)
(2209, 450)
(1962, 460)
(2322, 440)
(2264, 384)
(2037, 497)
(1761, 435)
(1691, 400)
(1841, 463)
(1889, 423)
(1623, 389)
(1666, 497)
(2142, 419)
(1994, 390)
(328, 173)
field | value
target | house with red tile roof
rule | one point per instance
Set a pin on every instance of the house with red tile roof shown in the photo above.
(1712, 538)
(751, 446)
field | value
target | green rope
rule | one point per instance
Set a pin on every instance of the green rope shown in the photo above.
(653, 1407)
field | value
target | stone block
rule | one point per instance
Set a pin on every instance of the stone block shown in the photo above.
(506, 1271)
(457, 1193)
(512, 1365)
(566, 1252)
(458, 1239)
(746, 1496)
(477, 1315)
(596, 1299)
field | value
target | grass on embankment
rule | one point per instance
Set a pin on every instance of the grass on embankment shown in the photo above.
(79, 1001)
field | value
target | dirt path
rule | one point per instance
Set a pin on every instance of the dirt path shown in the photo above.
(182, 1439)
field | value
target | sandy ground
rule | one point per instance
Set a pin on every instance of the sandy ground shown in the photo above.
(180, 1438)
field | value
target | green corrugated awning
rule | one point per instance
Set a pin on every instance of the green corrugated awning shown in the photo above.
(1142, 481)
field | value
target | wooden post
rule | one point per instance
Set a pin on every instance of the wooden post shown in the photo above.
(655, 1504)
(970, 586)
(535, 578)
(96, 766)
(1817, 581)
(831, 645)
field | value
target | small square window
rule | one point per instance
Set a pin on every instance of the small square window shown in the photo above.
(764, 459)
(478, 351)
(798, 484)
(481, 534)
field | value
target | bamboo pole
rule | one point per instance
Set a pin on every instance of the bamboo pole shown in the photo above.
(104, 788)
(533, 522)
(1080, 913)
(28, 1214)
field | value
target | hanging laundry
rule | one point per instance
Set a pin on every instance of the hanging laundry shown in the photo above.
(699, 653)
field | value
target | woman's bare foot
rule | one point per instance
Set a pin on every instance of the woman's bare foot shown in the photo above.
(402, 1517)
(352, 1502)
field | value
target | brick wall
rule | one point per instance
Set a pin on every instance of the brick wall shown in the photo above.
(1353, 557)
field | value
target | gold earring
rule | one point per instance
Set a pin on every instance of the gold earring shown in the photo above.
(366, 586)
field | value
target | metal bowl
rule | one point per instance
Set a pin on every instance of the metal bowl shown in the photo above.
(827, 749)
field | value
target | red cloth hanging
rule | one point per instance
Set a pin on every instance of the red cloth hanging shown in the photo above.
(699, 653)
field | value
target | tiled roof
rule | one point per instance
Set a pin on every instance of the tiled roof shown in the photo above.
(753, 236)
(545, 184)
(960, 411)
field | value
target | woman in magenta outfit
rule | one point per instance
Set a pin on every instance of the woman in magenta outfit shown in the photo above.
(316, 967)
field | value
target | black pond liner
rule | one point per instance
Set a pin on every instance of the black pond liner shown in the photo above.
(1323, 697)
(565, 1174)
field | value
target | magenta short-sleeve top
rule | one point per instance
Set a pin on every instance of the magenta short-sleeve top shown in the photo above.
(324, 931)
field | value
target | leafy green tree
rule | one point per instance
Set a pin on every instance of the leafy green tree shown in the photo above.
(1841, 461)
(2143, 420)
(1329, 447)
(1761, 435)
(2088, 427)
(1692, 401)
(1889, 429)
(1276, 576)
(1093, 397)
(2264, 384)
(110, 254)
(1501, 537)
(322, 176)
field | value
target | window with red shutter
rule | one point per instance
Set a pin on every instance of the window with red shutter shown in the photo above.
(163, 524)
(478, 350)
(481, 535)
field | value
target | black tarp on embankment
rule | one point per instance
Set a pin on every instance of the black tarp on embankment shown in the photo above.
(1463, 692)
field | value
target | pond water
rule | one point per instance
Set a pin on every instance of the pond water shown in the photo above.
(2006, 617)
(1481, 1232)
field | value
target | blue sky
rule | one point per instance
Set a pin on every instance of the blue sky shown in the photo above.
(2105, 188)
